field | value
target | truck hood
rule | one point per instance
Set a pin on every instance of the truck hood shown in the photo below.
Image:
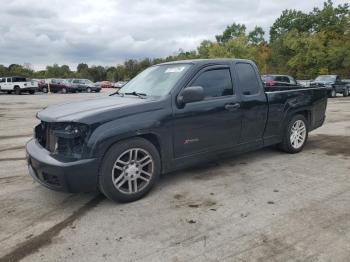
(96, 110)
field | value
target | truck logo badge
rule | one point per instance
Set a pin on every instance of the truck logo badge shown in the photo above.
(190, 141)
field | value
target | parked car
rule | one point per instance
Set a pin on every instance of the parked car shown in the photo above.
(279, 80)
(119, 84)
(106, 84)
(55, 85)
(333, 84)
(85, 85)
(169, 117)
(304, 83)
(17, 85)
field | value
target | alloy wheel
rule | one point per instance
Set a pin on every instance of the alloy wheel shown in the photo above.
(298, 134)
(132, 171)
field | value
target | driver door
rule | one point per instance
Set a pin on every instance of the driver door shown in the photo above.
(213, 123)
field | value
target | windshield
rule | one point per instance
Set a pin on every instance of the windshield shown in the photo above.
(325, 78)
(156, 80)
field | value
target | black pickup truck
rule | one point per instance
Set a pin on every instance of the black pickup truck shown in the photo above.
(333, 84)
(169, 117)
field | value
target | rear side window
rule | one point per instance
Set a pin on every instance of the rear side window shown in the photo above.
(285, 79)
(282, 79)
(9, 80)
(215, 83)
(19, 79)
(248, 81)
(76, 81)
(3, 80)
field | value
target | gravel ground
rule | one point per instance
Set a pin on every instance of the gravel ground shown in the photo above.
(260, 206)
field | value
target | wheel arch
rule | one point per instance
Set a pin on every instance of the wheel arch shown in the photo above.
(151, 137)
(306, 112)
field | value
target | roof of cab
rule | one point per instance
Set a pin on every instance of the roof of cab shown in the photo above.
(206, 61)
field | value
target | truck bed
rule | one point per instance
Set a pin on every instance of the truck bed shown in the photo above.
(282, 101)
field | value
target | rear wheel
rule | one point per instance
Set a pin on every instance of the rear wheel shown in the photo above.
(64, 90)
(44, 89)
(346, 91)
(129, 170)
(295, 135)
(88, 90)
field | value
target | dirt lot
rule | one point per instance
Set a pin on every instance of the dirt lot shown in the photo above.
(260, 206)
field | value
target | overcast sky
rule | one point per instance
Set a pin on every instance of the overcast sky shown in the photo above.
(107, 32)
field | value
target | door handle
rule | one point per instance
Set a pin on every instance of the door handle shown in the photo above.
(232, 106)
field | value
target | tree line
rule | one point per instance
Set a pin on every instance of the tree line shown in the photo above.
(300, 44)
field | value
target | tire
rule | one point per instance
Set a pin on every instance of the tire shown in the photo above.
(64, 90)
(17, 90)
(118, 168)
(293, 144)
(346, 91)
(98, 90)
(44, 90)
(88, 90)
(32, 92)
(9, 92)
(333, 93)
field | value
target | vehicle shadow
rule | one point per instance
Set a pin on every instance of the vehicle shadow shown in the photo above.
(208, 170)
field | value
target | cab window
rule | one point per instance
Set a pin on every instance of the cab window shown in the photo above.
(247, 77)
(215, 83)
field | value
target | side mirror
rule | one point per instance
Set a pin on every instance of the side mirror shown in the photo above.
(190, 94)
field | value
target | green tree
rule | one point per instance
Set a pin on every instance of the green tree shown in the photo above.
(256, 36)
(203, 49)
(231, 31)
(82, 67)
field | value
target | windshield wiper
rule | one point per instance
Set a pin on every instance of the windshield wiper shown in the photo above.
(117, 93)
(134, 93)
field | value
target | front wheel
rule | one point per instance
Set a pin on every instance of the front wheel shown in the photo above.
(64, 91)
(129, 170)
(17, 90)
(346, 91)
(88, 89)
(295, 135)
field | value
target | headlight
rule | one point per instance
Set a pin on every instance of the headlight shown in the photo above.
(70, 139)
(72, 131)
